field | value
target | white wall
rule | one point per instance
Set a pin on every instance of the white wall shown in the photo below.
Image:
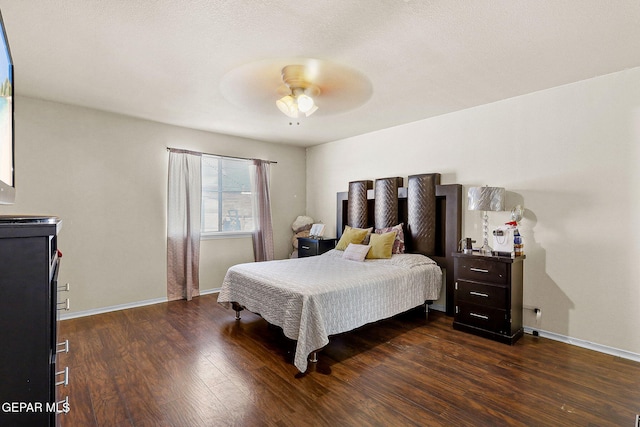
(105, 175)
(570, 154)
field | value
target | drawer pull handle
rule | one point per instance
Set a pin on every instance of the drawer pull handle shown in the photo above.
(479, 294)
(306, 247)
(64, 288)
(65, 381)
(62, 407)
(65, 349)
(480, 316)
(478, 270)
(64, 305)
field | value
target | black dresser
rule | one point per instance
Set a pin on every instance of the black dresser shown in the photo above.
(488, 296)
(32, 374)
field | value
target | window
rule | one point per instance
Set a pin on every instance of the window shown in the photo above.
(227, 202)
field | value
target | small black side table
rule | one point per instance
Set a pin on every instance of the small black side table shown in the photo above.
(308, 246)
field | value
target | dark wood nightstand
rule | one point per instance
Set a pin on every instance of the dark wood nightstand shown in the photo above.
(308, 246)
(488, 296)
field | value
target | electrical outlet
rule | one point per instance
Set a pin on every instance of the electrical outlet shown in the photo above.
(533, 308)
(537, 312)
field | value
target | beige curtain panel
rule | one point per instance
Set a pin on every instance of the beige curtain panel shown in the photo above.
(263, 233)
(183, 224)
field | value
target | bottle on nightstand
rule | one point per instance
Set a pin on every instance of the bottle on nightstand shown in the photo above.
(518, 245)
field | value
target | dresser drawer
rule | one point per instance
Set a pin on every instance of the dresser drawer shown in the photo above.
(482, 270)
(481, 294)
(487, 318)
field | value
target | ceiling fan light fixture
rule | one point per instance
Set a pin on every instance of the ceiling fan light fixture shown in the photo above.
(305, 103)
(300, 100)
(296, 103)
(312, 110)
(288, 106)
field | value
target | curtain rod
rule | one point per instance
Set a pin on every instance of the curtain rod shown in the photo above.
(217, 155)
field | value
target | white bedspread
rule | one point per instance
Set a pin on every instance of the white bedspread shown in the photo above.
(315, 297)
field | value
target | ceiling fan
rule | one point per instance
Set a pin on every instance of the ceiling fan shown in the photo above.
(299, 92)
(297, 87)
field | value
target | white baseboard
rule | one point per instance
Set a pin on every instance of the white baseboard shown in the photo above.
(101, 310)
(438, 307)
(584, 344)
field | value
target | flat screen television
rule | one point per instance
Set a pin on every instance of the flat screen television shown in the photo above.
(7, 143)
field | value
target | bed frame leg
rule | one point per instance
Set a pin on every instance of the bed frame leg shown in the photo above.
(237, 308)
(426, 310)
(313, 357)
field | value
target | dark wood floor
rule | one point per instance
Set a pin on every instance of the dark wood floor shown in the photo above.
(191, 364)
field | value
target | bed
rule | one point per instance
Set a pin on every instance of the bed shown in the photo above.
(314, 298)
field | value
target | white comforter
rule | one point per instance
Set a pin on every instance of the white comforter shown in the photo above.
(315, 297)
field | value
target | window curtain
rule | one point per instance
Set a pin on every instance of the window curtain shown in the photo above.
(183, 224)
(263, 233)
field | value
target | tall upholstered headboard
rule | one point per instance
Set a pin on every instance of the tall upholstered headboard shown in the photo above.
(431, 214)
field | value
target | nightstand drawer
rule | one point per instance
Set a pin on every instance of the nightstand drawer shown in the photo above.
(482, 270)
(487, 318)
(481, 294)
(307, 247)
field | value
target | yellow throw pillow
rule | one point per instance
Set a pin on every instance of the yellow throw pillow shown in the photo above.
(351, 235)
(381, 245)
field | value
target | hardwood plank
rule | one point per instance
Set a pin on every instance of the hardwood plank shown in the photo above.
(83, 409)
(192, 364)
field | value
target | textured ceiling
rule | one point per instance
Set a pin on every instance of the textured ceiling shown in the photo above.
(164, 60)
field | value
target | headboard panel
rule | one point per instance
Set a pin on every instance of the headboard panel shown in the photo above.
(357, 211)
(447, 214)
(386, 202)
(421, 212)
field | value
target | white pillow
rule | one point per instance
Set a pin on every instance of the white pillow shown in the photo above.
(356, 252)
